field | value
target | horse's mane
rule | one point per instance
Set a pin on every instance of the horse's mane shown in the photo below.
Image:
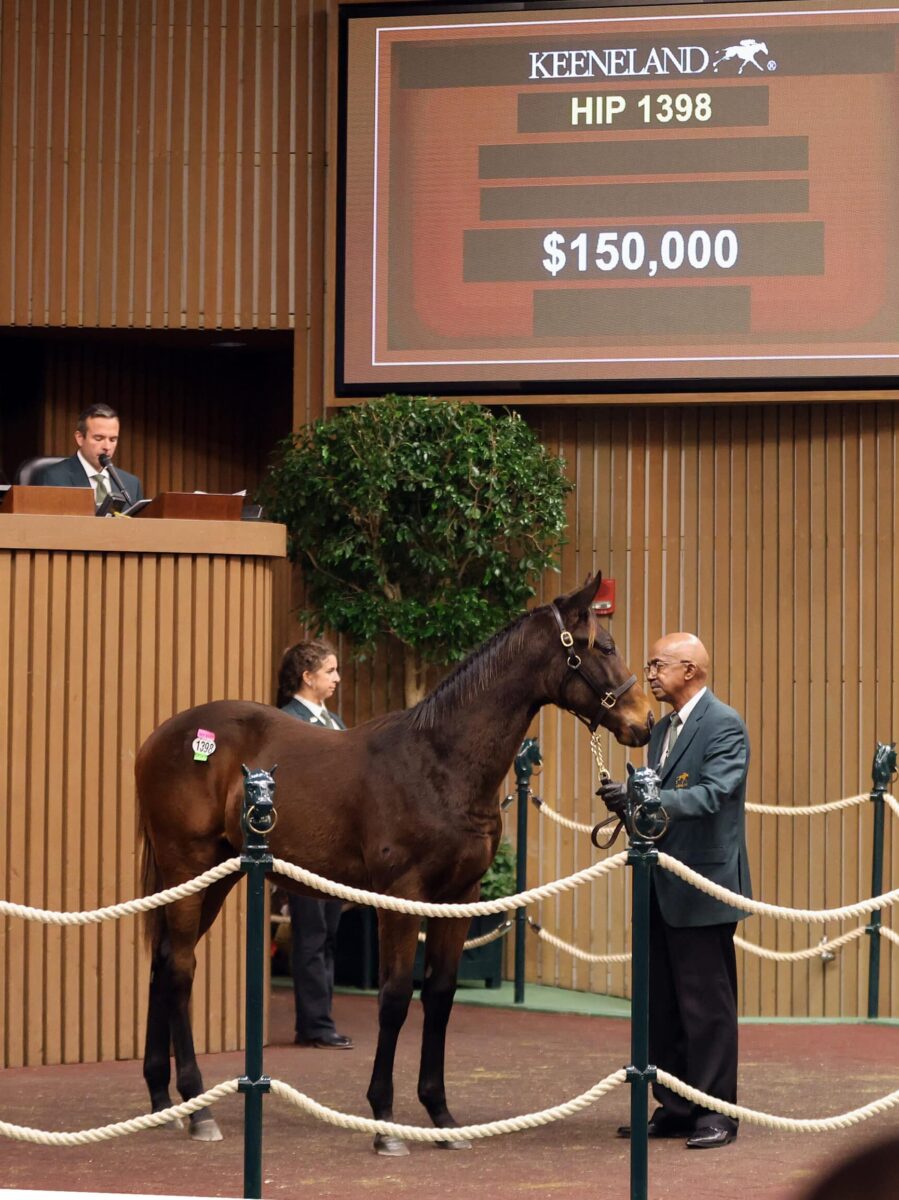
(471, 676)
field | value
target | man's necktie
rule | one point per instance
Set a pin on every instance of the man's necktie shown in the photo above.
(674, 727)
(101, 491)
(329, 720)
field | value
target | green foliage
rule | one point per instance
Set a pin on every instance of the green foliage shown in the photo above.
(500, 877)
(420, 518)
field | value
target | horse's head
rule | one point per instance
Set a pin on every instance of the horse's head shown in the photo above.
(589, 675)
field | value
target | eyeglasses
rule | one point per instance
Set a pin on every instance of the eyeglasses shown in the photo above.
(661, 664)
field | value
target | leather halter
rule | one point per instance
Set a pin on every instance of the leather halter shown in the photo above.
(608, 697)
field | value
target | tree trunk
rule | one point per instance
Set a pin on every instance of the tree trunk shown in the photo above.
(413, 676)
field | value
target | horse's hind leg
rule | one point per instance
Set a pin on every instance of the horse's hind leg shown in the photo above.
(168, 1016)
(398, 938)
(157, 1069)
(446, 938)
(192, 921)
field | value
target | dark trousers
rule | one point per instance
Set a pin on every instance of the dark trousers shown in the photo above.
(693, 1015)
(313, 933)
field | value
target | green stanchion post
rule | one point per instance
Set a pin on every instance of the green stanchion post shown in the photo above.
(526, 759)
(881, 772)
(642, 856)
(645, 821)
(257, 821)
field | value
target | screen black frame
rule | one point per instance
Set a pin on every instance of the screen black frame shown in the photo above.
(541, 390)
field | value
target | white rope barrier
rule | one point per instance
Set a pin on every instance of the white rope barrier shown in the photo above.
(574, 951)
(545, 810)
(809, 952)
(476, 942)
(805, 915)
(772, 810)
(127, 908)
(422, 908)
(807, 810)
(787, 1124)
(818, 951)
(105, 1133)
(417, 1133)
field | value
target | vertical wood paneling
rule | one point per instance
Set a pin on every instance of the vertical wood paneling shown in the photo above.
(770, 532)
(98, 650)
(148, 157)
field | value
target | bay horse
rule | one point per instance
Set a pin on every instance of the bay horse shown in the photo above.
(405, 805)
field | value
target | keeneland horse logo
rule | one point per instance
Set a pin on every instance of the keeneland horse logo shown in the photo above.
(747, 51)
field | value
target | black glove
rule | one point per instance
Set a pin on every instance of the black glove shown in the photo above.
(614, 797)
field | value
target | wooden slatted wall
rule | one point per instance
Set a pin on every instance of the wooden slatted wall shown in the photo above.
(770, 532)
(98, 650)
(149, 152)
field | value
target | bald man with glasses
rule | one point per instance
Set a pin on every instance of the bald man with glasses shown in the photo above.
(700, 751)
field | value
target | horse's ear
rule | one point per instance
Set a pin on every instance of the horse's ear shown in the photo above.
(580, 601)
(272, 770)
(245, 769)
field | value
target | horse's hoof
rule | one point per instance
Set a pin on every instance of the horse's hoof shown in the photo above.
(460, 1145)
(176, 1123)
(206, 1130)
(390, 1147)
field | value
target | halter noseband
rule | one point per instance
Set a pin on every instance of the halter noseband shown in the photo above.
(608, 697)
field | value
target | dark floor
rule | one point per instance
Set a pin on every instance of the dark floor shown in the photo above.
(500, 1063)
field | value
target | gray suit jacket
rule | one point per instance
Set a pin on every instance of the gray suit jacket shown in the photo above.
(70, 473)
(298, 709)
(704, 794)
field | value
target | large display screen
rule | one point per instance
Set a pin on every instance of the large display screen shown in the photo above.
(592, 198)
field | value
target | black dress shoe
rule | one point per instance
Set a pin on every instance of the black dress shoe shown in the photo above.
(711, 1136)
(328, 1041)
(658, 1129)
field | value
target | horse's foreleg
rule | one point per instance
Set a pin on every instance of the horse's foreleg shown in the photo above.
(446, 938)
(398, 939)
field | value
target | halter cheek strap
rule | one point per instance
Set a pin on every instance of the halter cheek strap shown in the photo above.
(608, 697)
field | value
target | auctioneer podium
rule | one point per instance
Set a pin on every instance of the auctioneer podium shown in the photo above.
(110, 626)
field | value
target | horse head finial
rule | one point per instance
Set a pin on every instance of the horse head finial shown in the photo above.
(259, 816)
(526, 759)
(645, 800)
(884, 767)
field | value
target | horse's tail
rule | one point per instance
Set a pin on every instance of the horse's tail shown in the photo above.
(151, 881)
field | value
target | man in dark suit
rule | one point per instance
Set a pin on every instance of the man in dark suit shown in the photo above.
(701, 753)
(97, 433)
(308, 677)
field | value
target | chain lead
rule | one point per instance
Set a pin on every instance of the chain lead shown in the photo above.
(596, 747)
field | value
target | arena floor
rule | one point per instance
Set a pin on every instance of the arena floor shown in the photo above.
(500, 1063)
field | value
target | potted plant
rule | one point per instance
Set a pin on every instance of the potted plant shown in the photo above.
(424, 522)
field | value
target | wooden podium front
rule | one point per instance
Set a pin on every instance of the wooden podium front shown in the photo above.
(113, 626)
(49, 501)
(194, 506)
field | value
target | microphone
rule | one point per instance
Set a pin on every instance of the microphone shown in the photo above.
(106, 463)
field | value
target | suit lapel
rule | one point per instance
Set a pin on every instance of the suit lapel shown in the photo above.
(77, 473)
(686, 737)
